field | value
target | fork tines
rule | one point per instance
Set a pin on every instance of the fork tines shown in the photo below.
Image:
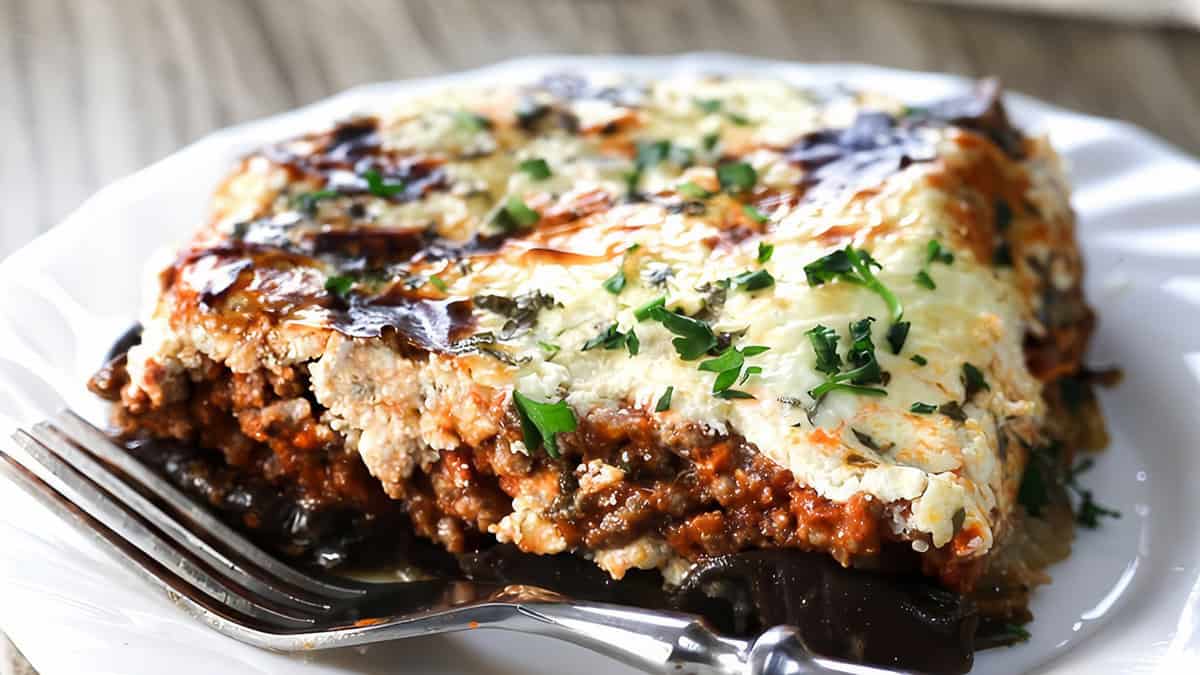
(217, 573)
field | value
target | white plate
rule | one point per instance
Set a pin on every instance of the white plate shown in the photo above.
(1126, 600)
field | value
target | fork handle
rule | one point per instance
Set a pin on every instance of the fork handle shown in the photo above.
(666, 642)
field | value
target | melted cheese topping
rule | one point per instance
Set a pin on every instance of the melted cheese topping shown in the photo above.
(947, 476)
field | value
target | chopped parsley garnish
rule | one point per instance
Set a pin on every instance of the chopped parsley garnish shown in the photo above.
(516, 214)
(729, 394)
(710, 141)
(1090, 513)
(897, 334)
(740, 120)
(632, 343)
(471, 121)
(1034, 493)
(765, 251)
(853, 265)
(616, 283)
(736, 176)
(933, 253)
(862, 353)
(438, 283)
(923, 280)
(751, 370)
(973, 381)
(541, 421)
(1044, 471)
(760, 218)
(550, 348)
(664, 401)
(693, 191)
(380, 188)
(953, 410)
(643, 311)
(339, 285)
(728, 366)
(919, 360)
(307, 202)
(651, 154)
(695, 339)
(611, 338)
(536, 169)
(861, 358)
(754, 280)
(708, 105)
(824, 343)
(923, 408)
(1017, 633)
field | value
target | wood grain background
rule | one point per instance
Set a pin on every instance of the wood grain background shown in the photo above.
(91, 90)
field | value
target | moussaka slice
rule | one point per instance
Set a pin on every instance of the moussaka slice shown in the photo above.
(644, 323)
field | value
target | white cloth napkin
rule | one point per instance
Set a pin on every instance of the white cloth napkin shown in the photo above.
(1180, 12)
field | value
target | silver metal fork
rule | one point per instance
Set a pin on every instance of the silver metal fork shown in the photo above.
(222, 579)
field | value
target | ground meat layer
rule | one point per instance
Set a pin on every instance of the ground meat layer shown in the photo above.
(620, 482)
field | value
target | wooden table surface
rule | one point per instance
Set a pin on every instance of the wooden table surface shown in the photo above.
(91, 90)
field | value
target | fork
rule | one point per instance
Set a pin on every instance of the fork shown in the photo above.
(221, 578)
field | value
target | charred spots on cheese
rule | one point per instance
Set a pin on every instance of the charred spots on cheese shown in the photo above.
(878, 144)
(221, 278)
(376, 245)
(873, 147)
(981, 111)
(336, 148)
(521, 310)
(419, 324)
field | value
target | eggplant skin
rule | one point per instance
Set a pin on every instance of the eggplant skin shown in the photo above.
(900, 621)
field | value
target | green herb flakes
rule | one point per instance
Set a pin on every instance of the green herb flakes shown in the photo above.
(377, 186)
(761, 218)
(470, 121)
(339, 285)
(515, 215)
(693, 191)
(864, 369)
(541, 421)
(664, 401)
(934, 252)
(897, 334)
(616, 283)
(973, 381)
(550, 349)
(824, 343)
(754, 280)
(307, 202)
(642, 312)
(853, 265)
(923, 408)
(765, 251)
(736, 177)
(695, 338)
(537, 169)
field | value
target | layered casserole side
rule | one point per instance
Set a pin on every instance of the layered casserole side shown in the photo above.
(643, 323)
